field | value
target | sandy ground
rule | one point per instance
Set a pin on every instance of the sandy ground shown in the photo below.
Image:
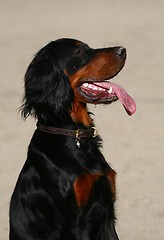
(133, 145)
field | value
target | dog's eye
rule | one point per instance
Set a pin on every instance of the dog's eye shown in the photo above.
(78, 51)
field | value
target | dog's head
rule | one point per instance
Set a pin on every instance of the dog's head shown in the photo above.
(66, 74)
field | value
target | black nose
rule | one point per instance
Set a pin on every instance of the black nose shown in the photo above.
(121, 51)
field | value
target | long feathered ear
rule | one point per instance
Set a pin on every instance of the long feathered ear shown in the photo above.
(48, 94)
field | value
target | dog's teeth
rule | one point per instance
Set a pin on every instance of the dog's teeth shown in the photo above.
(85, 84)
(94, 88)
(110, 90)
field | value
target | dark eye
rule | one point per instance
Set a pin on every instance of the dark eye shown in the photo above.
(78, 51)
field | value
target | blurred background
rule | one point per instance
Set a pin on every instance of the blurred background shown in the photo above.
(134, 146)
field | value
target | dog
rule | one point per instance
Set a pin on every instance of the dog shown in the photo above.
(66, 189)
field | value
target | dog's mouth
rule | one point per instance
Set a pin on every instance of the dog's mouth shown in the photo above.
(106, 92)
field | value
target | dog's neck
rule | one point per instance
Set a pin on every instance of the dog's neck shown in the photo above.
(80, 114)
(78, 118)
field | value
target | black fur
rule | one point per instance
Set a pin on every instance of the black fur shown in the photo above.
(44, 205)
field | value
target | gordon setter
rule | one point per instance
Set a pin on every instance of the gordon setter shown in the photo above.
(66, 189)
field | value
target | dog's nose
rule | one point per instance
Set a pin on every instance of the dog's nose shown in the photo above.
(121, 51)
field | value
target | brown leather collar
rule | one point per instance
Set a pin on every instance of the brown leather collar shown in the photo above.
(79, 133)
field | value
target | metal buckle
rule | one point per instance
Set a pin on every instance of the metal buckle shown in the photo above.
(95, 132)
(77, 133)
(77, 138)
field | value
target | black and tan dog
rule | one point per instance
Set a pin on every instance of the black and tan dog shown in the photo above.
(66, 189)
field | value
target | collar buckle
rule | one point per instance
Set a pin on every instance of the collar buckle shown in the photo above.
(95, 132)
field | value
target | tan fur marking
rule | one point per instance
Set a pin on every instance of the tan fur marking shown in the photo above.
(112, 179)
(83, 187)
(79, 114)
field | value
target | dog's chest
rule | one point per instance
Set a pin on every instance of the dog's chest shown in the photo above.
(85, 185)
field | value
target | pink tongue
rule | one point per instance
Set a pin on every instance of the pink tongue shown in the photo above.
(126, 100)
(128, 103)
